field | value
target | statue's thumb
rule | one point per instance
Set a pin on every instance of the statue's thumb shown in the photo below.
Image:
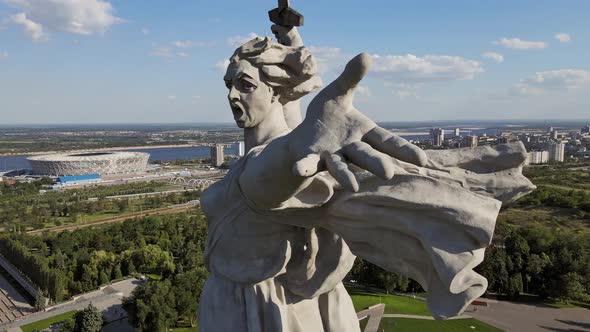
(355, 71)
(307, 166)
(342, 89)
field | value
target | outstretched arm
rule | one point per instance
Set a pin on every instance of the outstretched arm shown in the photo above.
(332, 135)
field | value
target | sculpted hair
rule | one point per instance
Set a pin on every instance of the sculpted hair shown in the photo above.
(290, 71)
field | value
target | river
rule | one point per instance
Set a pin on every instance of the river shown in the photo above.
(8, 163)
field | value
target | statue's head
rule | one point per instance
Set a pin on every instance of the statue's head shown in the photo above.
(262, 73)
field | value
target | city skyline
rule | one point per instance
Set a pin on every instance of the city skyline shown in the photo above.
(98, 61)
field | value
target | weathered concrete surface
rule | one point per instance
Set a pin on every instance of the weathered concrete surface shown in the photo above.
(518, 317)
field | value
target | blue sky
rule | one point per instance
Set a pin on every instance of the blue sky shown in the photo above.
(132, 61)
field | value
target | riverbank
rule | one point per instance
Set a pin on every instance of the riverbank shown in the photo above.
(120, 148)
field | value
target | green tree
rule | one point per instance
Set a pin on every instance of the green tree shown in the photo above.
(514, 286)
(67, 326)
(131, 270)
(88, 320)
(152, 307)
(103, 278)
(40, 301)
(187, 290)
(122, 205)
(116, 273)
(572, 288)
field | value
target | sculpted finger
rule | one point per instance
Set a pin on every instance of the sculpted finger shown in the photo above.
(307, 166)
(339, 170)
(365, 156)
(395, 146)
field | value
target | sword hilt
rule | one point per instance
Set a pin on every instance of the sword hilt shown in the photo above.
(285, 15)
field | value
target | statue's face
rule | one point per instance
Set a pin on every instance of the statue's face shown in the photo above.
(249, 98)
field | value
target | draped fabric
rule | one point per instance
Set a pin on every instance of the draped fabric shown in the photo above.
(284, 267)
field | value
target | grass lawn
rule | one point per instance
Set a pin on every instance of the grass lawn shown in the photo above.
(456, 325)
(43, 324)
(393, 304)
(155, 277)
(185, 329)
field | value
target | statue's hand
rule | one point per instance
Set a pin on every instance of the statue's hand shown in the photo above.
(334, 133)
(288, 36)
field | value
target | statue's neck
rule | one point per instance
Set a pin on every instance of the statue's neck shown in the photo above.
(271, 127)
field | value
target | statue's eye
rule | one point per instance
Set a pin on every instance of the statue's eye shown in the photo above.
(228, 84)
(248, 86)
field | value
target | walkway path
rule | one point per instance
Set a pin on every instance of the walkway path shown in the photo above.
(375, 314)
(108, 300)
(511, 316)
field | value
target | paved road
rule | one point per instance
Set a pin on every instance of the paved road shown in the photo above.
(108, 300)
(519, 317)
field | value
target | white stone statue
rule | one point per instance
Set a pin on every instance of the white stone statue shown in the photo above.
(287, 221)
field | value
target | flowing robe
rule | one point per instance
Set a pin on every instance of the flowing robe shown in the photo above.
(282, 269)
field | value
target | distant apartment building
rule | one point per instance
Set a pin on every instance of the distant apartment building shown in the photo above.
(457, 132)
(469, 141)
(585, 130)
(503, 140)
(437, 135)
(538, 157)
(554, 134)
(241, 149)
(524, 138)
(556, 152)
(217, 157)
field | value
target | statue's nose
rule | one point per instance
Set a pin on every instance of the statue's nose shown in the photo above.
(233, 94)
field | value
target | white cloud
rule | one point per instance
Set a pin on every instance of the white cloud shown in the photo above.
(563, 37)
(403, 94)
(497, 57)
(554, 80)
(145, 31)
(363, 91)
(84, 17)
(519, 44)
(328, 58)
(222, 65)
(162, 52)
(430, 68)
(188, 44)
(325, 52)
(3, 55)
(182, 55)
(171, 97)
(31, 29)
(237, 41)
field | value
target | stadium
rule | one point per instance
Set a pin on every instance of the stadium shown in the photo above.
(103, 163)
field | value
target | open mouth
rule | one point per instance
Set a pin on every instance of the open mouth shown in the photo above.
(237, 112)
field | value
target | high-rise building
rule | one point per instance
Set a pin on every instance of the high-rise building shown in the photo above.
(437, 135)
(457, 132)
(554, 134)
(538, 157)
(241, 149)
(585, 130)
(217, 157)
(556, 152)
(469, 141)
